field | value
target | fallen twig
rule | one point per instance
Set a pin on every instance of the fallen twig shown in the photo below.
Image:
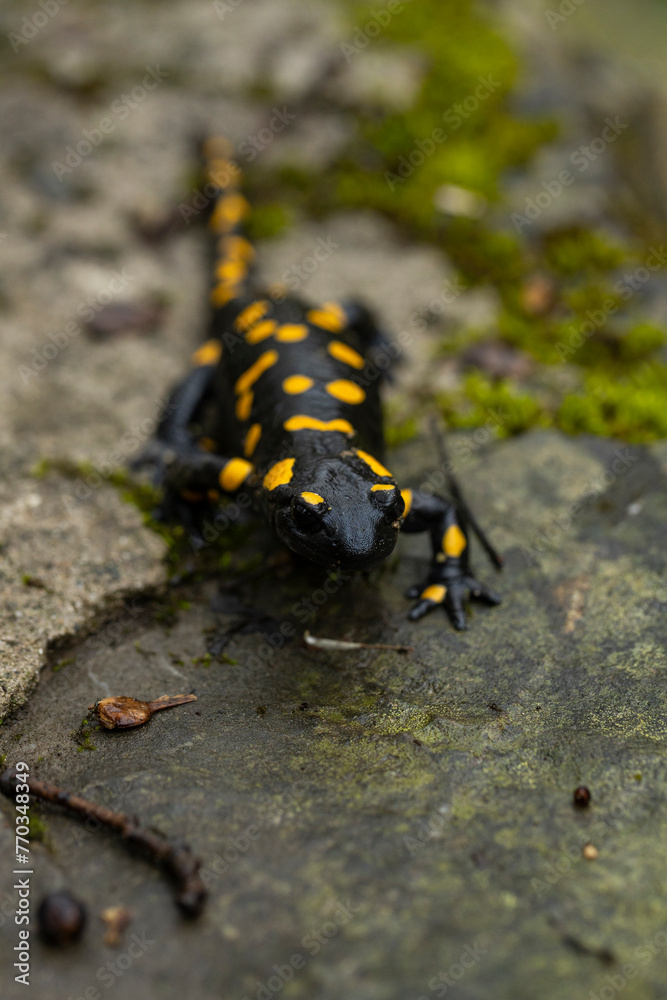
(180, 862)
(315, 643)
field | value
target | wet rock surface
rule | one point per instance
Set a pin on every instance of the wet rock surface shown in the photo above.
(391, 819)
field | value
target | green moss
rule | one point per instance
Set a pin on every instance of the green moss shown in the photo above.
(497, 404)
(460, 131)
(575, 251)
(146, 498)
(640, 343)
(398, 432)
(82, 735)
(41, 468)
(143, 495)
(397, 162)
(631, 408)
(267, 221)
(204, 660)
(37, 827)
(63, 663)
(67, 467)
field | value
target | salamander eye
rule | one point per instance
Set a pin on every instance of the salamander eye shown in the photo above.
(305, 518)
(390, 501)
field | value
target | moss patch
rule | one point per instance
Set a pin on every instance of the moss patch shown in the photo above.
(463, 130)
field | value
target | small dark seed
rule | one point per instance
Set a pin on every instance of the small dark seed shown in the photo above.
(581, 797)
(61, 918)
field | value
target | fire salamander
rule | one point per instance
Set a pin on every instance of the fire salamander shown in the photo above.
(279, 406)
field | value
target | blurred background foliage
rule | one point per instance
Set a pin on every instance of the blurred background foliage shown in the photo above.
(597, 363)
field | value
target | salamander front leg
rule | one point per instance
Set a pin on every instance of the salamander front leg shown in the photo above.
(450, 582)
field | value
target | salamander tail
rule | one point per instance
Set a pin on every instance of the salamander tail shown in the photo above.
(233, 252)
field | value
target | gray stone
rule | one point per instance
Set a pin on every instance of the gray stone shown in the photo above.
(393, 819)
(65, 566)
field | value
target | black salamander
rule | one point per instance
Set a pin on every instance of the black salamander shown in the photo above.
(289, 417)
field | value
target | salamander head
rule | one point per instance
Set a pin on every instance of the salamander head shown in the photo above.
(338, 512)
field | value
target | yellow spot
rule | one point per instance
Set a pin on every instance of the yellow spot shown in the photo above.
(231, 270)
(244, 405)
(336, 310)
(234, 474)
(208, 354)
(329, 317)
(252, 440)
(228, 212)
(223, 172)
(223, 293)
(296, 384)
(454, 541)
(407, 500)
(236, 247)
(280, 474)
(291, 332)
(381, 486)
(313, 498)
(435, 593)
(251, 314)
(217, 147)
(261, 331)
(347, 392)
(248, 379)
(213, 495)
(207, 444)
(303, 423)
(376, 466)
(341, 352)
